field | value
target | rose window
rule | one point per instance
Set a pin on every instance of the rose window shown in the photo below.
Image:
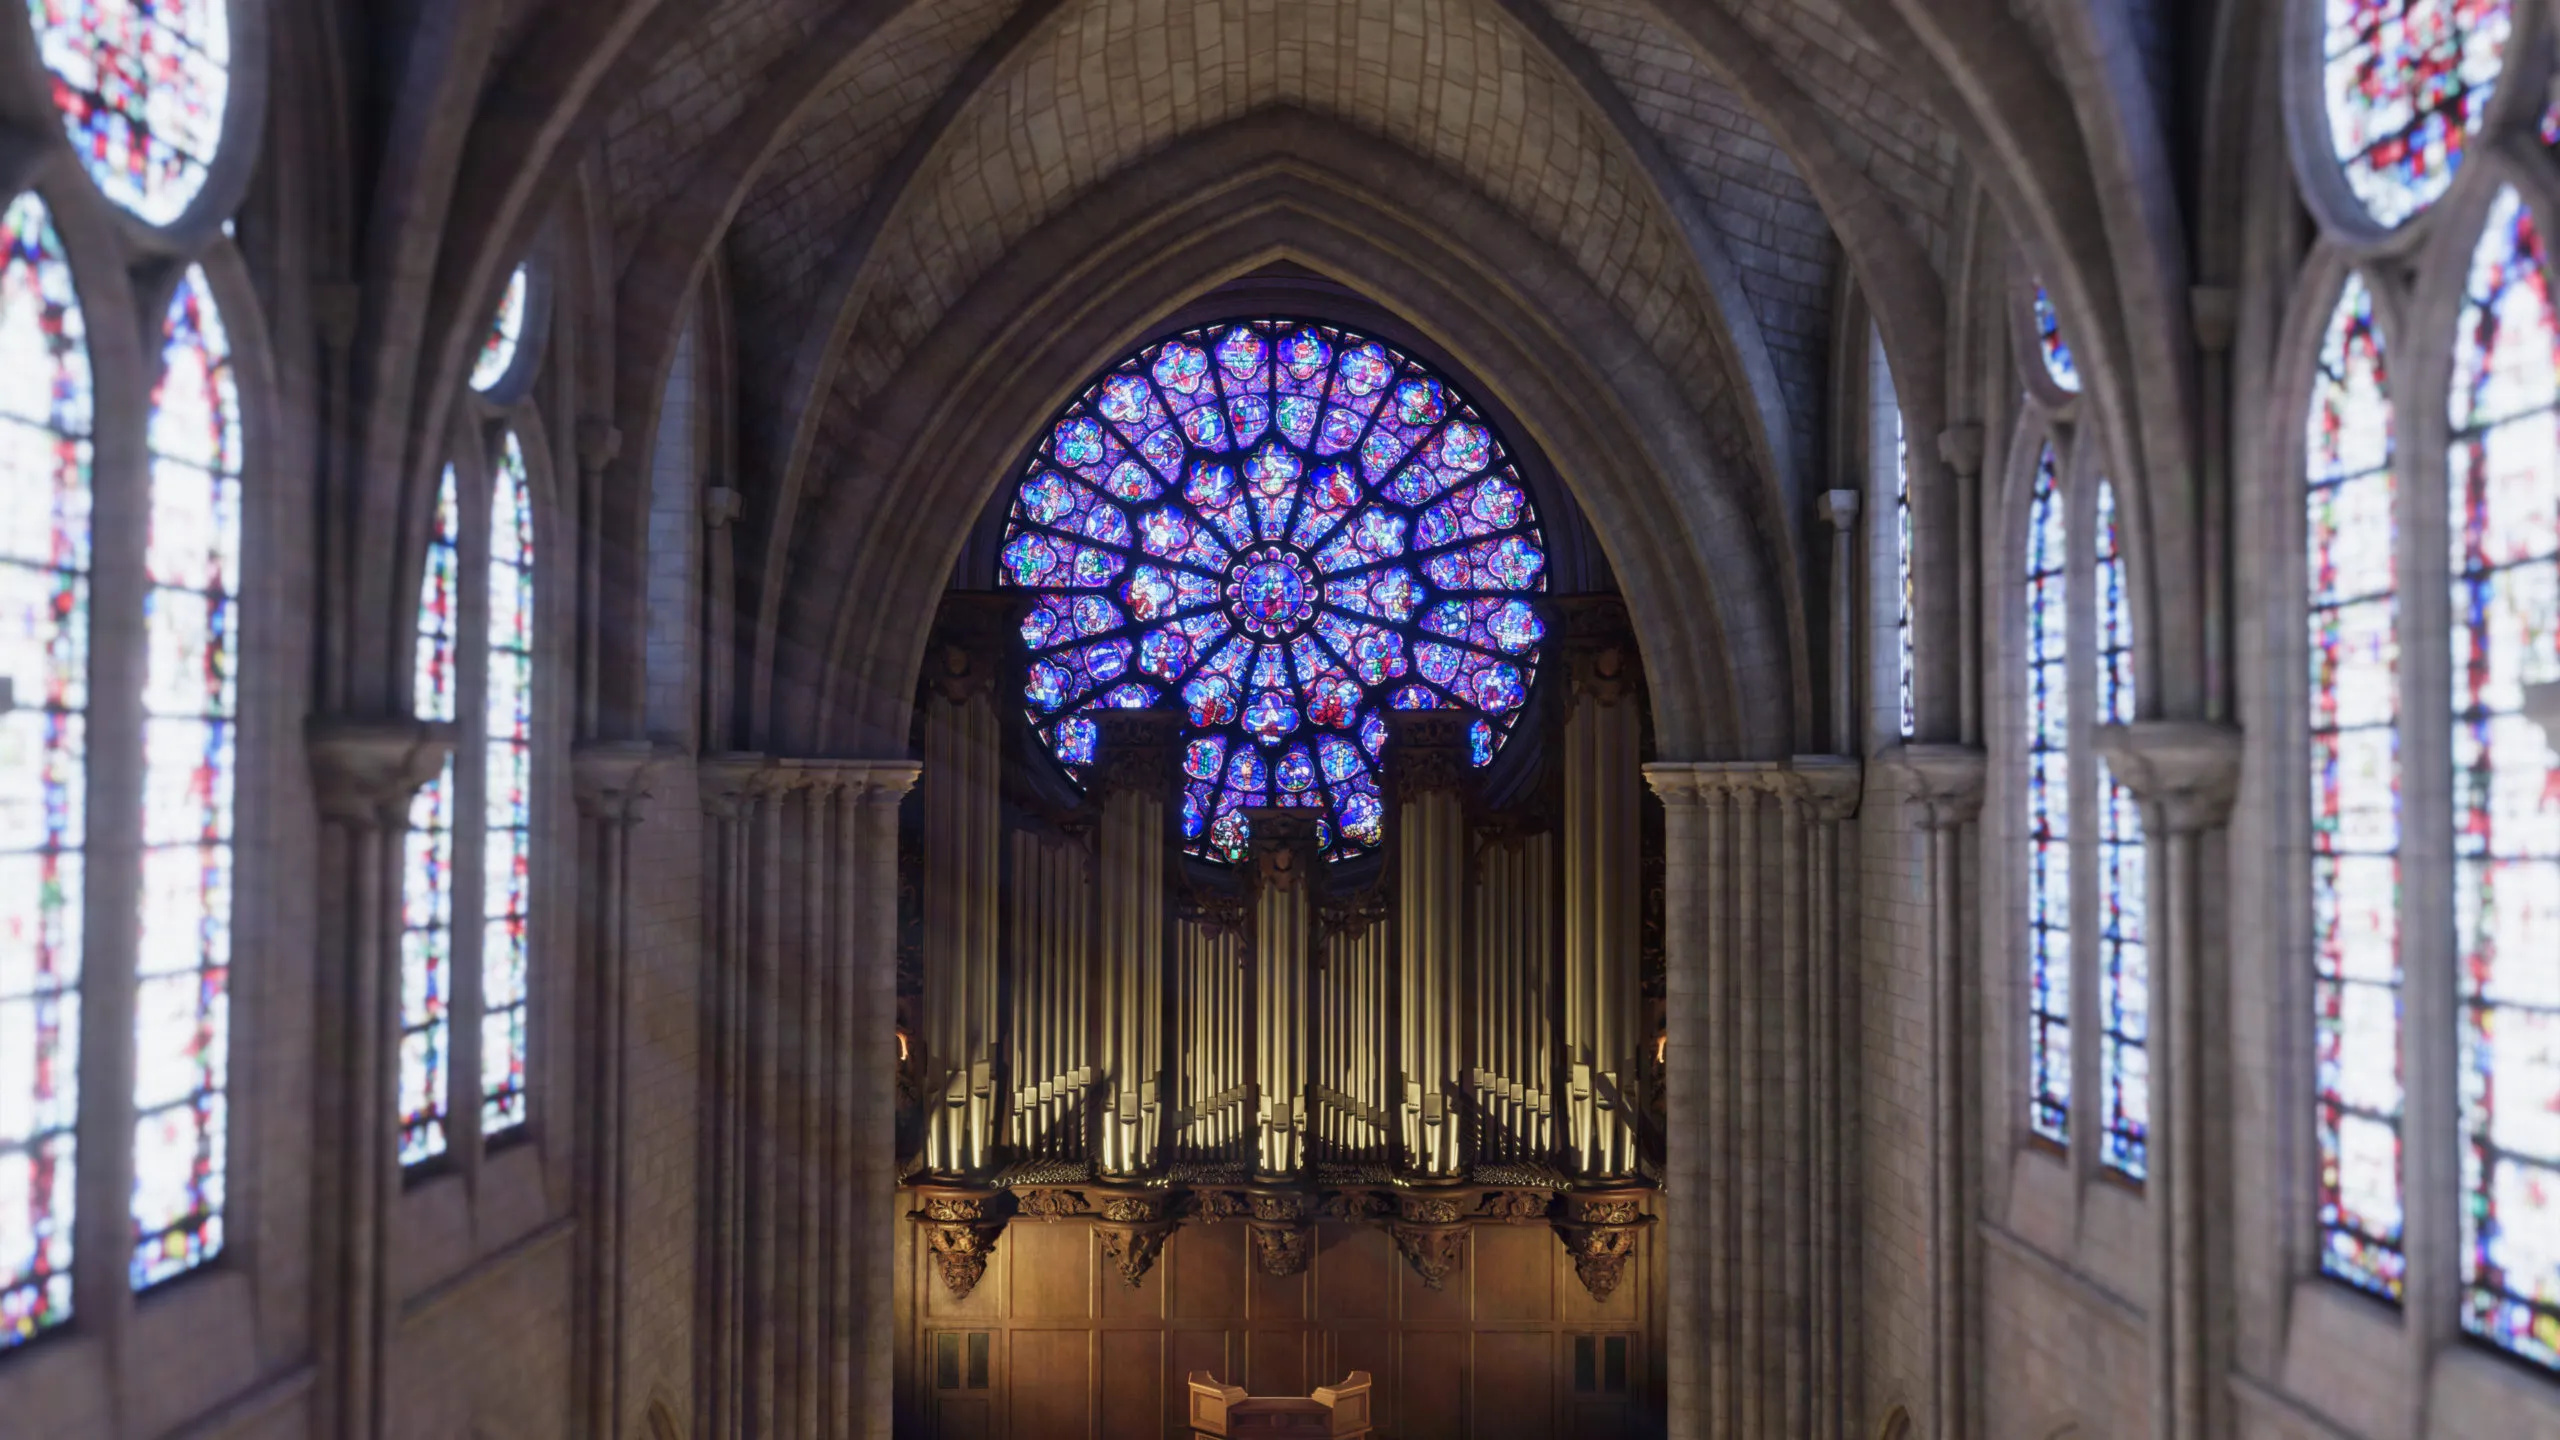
(1284, 530)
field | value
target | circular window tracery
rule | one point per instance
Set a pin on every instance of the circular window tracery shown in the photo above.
(143, 87)
(2406, 84)
(1285, 530)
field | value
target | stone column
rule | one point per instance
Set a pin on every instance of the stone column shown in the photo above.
(1840, 509)
(1945, 781)
(610, 779)
(805, 1005)
(731, 799)
(364, 773)
(1757, 1139)
(2184, 773)
(1427, 765)
(1133, 781)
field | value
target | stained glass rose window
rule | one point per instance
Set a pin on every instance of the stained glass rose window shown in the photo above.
(1284, 530)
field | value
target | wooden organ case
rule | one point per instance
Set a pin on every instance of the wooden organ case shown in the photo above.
(1282, 1120)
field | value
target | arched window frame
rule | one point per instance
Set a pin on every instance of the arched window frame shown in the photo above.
(126, 272)
(2085, 1169)
(2417, 273)
(504, 1168)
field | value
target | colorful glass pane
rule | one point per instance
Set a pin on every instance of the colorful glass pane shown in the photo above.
(426, 930)
(45, 409)
(142, 86)
(498, 348)
(1902, 559)
(1283, 529)
(2407, 84)
(2048, 804)
(2504, 497)
(2124, 966)
(506, 898)
(2056, 351)
(2350, 499)
(191, 709)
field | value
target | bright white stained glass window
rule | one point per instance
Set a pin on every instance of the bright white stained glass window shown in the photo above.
(142, 86)
(507, 901)
(426, 942)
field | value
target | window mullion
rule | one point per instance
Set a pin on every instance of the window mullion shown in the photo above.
(2088, 1115)
(470, 825)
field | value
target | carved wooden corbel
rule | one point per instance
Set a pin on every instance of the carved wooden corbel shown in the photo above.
(1134, 1224)
(1599, 1229)
(960, 1228)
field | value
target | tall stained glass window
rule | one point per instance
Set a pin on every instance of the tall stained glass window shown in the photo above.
(2407, 84)
(506, 333)
(1285, 530)
(1902, 576)
(2504, 494)
(2124, 969)
(2058, 361)
(2350, 499)
(191, 708)
(506, 899)
(2048, 717)
(45, 412)
(142, 86)
(426, 941)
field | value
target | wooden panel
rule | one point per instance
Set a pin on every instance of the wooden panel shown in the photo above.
(1364, 1347)
(1515, 1385)
(1431, 1401)
(1515, 1269)
(1355, 1273)
(1207, 1267)
(1052, 1384)
(1134, 1384)
(1124, 1301)
(985, 1300)
(1279, 1297)
(1276, 1362)
(1053, 1270)
(1191, 1350)
(1447, 1304)
(970, 1417)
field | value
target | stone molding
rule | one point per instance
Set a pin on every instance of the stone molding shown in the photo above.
(1839, 508)
(1945, 781)
(865, 781)
(2189, 769)
(1828, 784)
(611, 777)
(726, 782)
(364, 771)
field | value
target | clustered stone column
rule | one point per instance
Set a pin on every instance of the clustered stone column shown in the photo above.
(802, 1001)
(1760, 991)
(2184, 773)
(364, 773)
(1945, 782)
(610, 782)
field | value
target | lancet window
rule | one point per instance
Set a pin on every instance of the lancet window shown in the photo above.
(466, 988)
(144, 98)
(2083, 868)
(2410, 184)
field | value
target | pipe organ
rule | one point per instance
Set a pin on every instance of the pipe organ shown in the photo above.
(1447, 1031)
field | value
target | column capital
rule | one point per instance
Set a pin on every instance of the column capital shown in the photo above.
(725, 781)
(364, 770)
(1961, 447)
(1839, 508)
(1683, 783)
(973, 637)
(1944, 780)
(1830, 784)
(2189, 768)
(1598, 646)
(599, 443)
(868, 781)
(611, 777)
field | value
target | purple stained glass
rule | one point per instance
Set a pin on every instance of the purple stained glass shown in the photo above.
(426, 895)
(2048, 718)
(2407, 84)
(2349, 500)
(45, 410)
(1902, 560)
(142, 86)
(1308, 508)
(506, 334)
(2124, 970)
(190, 721)
(507, 846)
(2503, 473)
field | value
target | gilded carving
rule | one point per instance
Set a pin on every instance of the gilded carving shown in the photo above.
(1434, 1251)
(1280, 1250)
(960, 1230)
(1599, 1230)
(1045, 1204)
